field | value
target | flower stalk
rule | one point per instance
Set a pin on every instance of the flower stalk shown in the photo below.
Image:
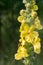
(29, 36)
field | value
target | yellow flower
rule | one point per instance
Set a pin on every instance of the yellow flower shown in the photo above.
(24, 27)
(35, 7)
(27, 33)
(29, 38)
(21, 53)
(34, 14)
(21, 49)
(21, 27)
(32, 28)
(37, 45)
(18, 56)
(37, 48)
(38, 24)
(36, 40)
(23, 34)
(35, 34)
(23, 42)
(21, 19)
(22, 12)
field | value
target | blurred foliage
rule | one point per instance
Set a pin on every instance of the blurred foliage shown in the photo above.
(9, 35)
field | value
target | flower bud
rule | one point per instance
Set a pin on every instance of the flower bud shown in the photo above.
(34, 14)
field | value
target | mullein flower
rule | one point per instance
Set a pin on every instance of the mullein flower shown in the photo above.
(24, 27)
(37, 45)
(35, 7)
(38, 24)
(33, 14)
(21, 53)
(29, 35)
(22, 12)
(37, 48)
(21, 19)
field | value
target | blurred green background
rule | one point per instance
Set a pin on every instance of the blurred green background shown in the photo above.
(9, 31)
